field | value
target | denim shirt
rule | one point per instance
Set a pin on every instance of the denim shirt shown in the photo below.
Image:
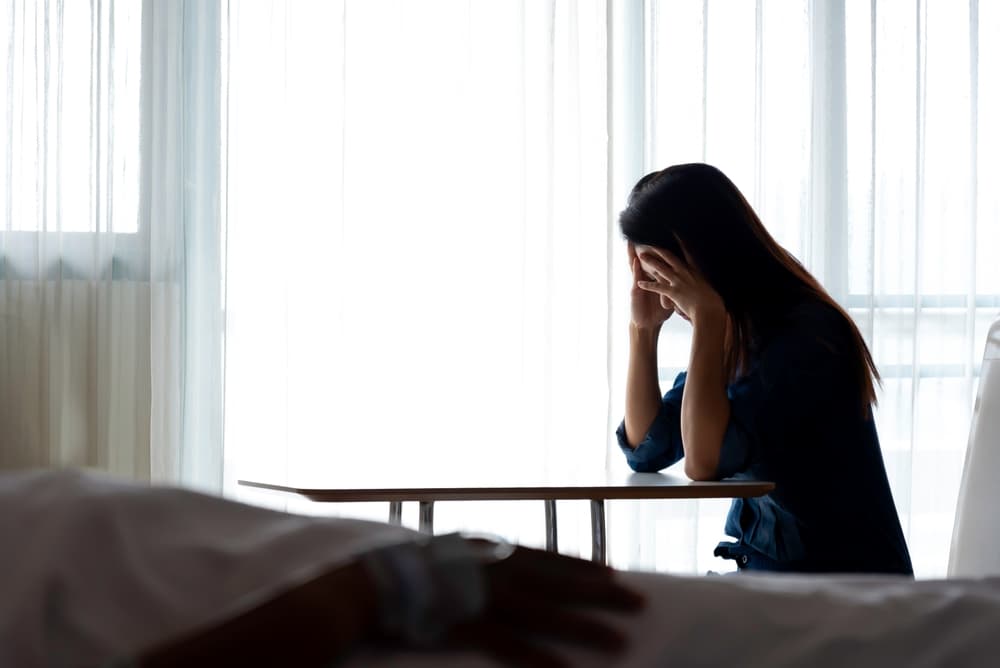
(796, 419)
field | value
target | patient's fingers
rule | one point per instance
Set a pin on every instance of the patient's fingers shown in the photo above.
(563, 579)
(536, 596)
(505, 644)
(557, 623)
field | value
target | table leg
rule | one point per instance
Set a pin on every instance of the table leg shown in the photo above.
(396, 512)
(427, 517)
(599, 548)
(551, 526)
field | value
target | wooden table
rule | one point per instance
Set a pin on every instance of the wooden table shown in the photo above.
(597, 491)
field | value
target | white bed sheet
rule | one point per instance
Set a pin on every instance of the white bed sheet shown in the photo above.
(774, 621)
(94, 568)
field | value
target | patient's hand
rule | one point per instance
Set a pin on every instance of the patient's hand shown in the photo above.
(535, 595)
(530, 596)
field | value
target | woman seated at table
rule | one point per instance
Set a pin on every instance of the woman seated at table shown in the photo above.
(780, 384)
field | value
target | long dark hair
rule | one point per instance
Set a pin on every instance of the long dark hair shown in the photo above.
(758, 280)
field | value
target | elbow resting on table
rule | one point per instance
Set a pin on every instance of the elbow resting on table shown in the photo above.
(702, 452)
(700, 471)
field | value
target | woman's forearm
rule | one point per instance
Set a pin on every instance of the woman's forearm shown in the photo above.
(642, 390)
(705, 407)
(309, 625)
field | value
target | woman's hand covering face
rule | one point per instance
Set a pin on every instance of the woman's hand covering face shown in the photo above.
(679, 281)
(649, 310)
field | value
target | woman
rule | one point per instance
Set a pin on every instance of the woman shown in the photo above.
(780, 384)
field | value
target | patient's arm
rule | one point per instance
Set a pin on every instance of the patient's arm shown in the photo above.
(531, 595)
(305, 626)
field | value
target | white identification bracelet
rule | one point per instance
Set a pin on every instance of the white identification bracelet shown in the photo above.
(426, 588)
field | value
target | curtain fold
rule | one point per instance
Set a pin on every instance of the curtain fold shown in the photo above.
(182, 157)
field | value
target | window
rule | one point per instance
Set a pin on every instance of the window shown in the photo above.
(71, 140)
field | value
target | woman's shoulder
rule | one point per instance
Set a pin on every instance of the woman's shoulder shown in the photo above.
(810, 327)
(817, 317)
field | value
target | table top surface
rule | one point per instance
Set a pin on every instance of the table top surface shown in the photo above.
(609, 486)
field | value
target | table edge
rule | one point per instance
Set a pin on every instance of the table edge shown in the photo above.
(712, 490)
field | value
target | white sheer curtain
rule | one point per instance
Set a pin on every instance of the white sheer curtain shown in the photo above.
(924, 231)
(109, 219)
(417, 249)
(857, 129)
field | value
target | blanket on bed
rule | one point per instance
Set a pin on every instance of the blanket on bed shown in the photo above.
(94, 568)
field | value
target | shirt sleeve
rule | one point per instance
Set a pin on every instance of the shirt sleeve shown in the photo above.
(738, 441)
(662, 445)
